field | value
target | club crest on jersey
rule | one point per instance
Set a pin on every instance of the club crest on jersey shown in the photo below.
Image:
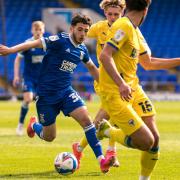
(54, 38)
(131, 122)
(119, 35)
(81, 55)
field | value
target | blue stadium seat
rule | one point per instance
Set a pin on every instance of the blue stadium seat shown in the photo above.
(19, 15)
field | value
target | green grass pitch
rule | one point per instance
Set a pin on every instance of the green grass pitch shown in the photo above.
(25, 158)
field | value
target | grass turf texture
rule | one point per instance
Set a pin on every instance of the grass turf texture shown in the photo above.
(25, 158)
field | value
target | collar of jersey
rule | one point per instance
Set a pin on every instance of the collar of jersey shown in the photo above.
(73, 43)
(131, 22)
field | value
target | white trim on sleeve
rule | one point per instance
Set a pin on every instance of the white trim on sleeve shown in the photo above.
(43, 44)
(20, 55)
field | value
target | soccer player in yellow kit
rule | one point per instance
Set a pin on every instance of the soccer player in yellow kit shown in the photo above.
(122, 97)
(112, 10)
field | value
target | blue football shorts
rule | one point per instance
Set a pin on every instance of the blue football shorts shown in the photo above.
(66, 101)
(29, 86)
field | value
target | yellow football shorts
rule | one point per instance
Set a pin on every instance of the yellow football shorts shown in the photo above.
(127, 115)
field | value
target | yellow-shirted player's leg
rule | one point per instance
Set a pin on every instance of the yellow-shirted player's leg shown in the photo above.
(122, 115)
(83, 142)
(117, 135)
(111, 150)
(111, 142)
(148, 162)
(148, 158)
(102, 114)
(146, 110)
(125, 117)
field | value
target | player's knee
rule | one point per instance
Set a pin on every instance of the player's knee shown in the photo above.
(86, 122)
(147, 144)
(144, 143)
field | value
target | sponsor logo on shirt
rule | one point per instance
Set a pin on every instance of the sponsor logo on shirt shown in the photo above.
(37, 59)
(67, 66)
(53, 38)
(134, 53)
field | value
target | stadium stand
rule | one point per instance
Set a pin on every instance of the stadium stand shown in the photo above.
(19, 15)
(161, 34)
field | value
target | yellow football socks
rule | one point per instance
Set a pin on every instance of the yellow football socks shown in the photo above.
(117, 135)
(83, 142)
(148, 161)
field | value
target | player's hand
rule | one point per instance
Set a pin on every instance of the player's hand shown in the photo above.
(4, 50)
(16, 81)
(125, 92)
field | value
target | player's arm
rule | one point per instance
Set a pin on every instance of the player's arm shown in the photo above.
(152, 63)
(16, 79)
(110, 67)
(4, 50)
(93, 70)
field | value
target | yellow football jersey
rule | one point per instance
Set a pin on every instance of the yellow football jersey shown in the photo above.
(144, 41)
(124, 37)
(99, 31)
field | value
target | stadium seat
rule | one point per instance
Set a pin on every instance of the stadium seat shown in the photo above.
(26, 11)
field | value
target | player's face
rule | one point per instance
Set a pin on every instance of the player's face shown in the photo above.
(37, 31)
(79, 32)
(112, 14)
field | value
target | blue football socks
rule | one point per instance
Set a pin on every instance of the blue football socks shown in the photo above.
(90, 132)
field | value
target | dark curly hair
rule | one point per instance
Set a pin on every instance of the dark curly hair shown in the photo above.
(80, 18)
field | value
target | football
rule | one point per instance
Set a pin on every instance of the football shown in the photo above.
(65, 163)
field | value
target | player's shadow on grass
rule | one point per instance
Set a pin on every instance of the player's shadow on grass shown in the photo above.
(47, 174)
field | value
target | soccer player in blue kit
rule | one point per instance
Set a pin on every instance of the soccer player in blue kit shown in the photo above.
(32, 64)
(55, 93)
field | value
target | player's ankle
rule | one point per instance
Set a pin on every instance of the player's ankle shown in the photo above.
(144, 178)
(100, 159)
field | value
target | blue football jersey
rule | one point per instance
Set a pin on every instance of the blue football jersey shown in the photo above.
(32, 62)
(61, 59)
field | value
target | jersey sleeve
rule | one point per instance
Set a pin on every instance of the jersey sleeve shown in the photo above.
(118, 35)
(50, 42)
(20, 54)
(144, 48)
(92, 33)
